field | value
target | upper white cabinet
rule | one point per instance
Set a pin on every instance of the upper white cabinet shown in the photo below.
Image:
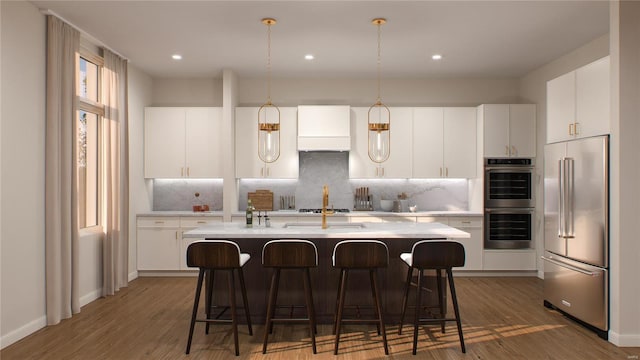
(578, 103)
(182, 142)
(444, 142)
(399, 163)
(509, 130)
(248, 164)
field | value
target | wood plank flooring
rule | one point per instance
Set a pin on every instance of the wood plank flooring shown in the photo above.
(503, 318)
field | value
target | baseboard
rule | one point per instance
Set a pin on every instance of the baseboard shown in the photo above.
(622, 340)
(133, 275)
(23, 332)
(95, 294)
(168, 273)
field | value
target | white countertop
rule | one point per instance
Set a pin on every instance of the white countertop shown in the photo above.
(278, 213)
(312, 230)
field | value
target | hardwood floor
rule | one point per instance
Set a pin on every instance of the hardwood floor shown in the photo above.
(503, 318)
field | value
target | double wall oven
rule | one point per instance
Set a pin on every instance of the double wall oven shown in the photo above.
(508, 203)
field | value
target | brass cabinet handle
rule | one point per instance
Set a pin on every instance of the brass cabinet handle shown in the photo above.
(506, 149)
(261, 172)
(571, 129)
(575, 128)
(440, 172)
(514, 150)
(382, 171)
(188, 171)
(446, 171)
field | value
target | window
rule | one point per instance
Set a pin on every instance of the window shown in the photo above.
(89, 112)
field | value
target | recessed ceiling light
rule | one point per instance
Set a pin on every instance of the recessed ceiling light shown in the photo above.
(309, 57)
(176, 57)
(436, 57)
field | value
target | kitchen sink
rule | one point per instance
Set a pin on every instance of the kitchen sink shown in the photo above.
(319, 226)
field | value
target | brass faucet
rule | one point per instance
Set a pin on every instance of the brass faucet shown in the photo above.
(325, 203)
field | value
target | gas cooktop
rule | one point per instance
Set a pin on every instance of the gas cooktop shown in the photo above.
(318, 211)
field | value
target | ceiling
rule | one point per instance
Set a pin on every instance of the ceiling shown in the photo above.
(476, 38)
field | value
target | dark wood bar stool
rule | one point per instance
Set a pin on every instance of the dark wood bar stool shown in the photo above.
(367, 255)
(439, 255)
(208, 256)
(290, 255)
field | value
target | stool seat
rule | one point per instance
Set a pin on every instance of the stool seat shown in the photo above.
(209, 256)
(288, 254)
(439, 255)
(368, 255)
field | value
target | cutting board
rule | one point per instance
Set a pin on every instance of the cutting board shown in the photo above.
(262, 200)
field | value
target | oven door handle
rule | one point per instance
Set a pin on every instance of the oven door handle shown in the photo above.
(510, 210)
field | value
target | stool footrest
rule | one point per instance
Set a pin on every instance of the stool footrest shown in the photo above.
(290, 320)
(360, 321)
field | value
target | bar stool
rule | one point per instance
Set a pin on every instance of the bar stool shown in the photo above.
(360, 255)
(438, 255)
(209, 256)
(290, 255)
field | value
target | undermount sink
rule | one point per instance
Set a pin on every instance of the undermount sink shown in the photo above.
(319, 226)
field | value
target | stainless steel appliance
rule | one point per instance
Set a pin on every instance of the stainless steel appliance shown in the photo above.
(509, 203)
(576, 230)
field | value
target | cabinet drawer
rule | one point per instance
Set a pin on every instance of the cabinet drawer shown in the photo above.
(159, 222)
(392, 219)
(463, 221)
(428, 219)
(194, 222)
(509, 259)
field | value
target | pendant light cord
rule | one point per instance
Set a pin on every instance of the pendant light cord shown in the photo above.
(379, 47)
(269, 64)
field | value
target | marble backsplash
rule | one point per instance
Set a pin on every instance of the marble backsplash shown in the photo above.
(318, 169)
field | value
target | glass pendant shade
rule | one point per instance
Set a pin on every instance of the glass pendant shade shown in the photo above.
(379, 123)
(269, 133)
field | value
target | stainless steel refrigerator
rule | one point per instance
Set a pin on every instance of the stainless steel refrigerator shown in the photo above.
(576, 230)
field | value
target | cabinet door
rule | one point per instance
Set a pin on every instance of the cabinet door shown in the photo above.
(473, 246)
(203, 143)
(496, 130)
(522, 130)
(164, 143)
(561, 107)
(248, 165)
(360, 166)
(592, 99)
(158, 249)
(459, 155)
(398, 165)
(287, 165)
(428, 142)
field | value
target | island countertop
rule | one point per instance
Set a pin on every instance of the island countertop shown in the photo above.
(312, 230)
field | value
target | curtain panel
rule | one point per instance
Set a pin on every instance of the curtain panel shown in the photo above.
(61, 201)
(115, 247)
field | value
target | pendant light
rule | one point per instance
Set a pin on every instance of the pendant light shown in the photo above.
(379, 118)
(268, 114)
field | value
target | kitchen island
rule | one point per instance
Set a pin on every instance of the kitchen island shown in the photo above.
(399, 238)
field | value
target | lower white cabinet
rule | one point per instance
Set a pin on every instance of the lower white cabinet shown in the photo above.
(510, 260)
(473, 245)
(160, 243)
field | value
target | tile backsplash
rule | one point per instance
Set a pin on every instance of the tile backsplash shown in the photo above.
(317, 169)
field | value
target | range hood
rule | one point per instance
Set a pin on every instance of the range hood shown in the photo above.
(324, 128)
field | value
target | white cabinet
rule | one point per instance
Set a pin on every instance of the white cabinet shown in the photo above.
(248, 164)
(161, 246)
(158, 243)
(398, 165)
(510, 260)
(473, 245)
(509, 130)
(444, 142)
(578, 103)
(182, 142)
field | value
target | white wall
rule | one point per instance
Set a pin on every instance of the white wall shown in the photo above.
(625, 172)
(394, 92)
(22, 191)
(140, 190)
(187, 92)
(533, 89)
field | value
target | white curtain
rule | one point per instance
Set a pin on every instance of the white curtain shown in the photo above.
(116, 174)
(61, 204)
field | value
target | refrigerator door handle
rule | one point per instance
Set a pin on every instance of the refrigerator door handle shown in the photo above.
(561, 199)
(568, 201)
(570, 267)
